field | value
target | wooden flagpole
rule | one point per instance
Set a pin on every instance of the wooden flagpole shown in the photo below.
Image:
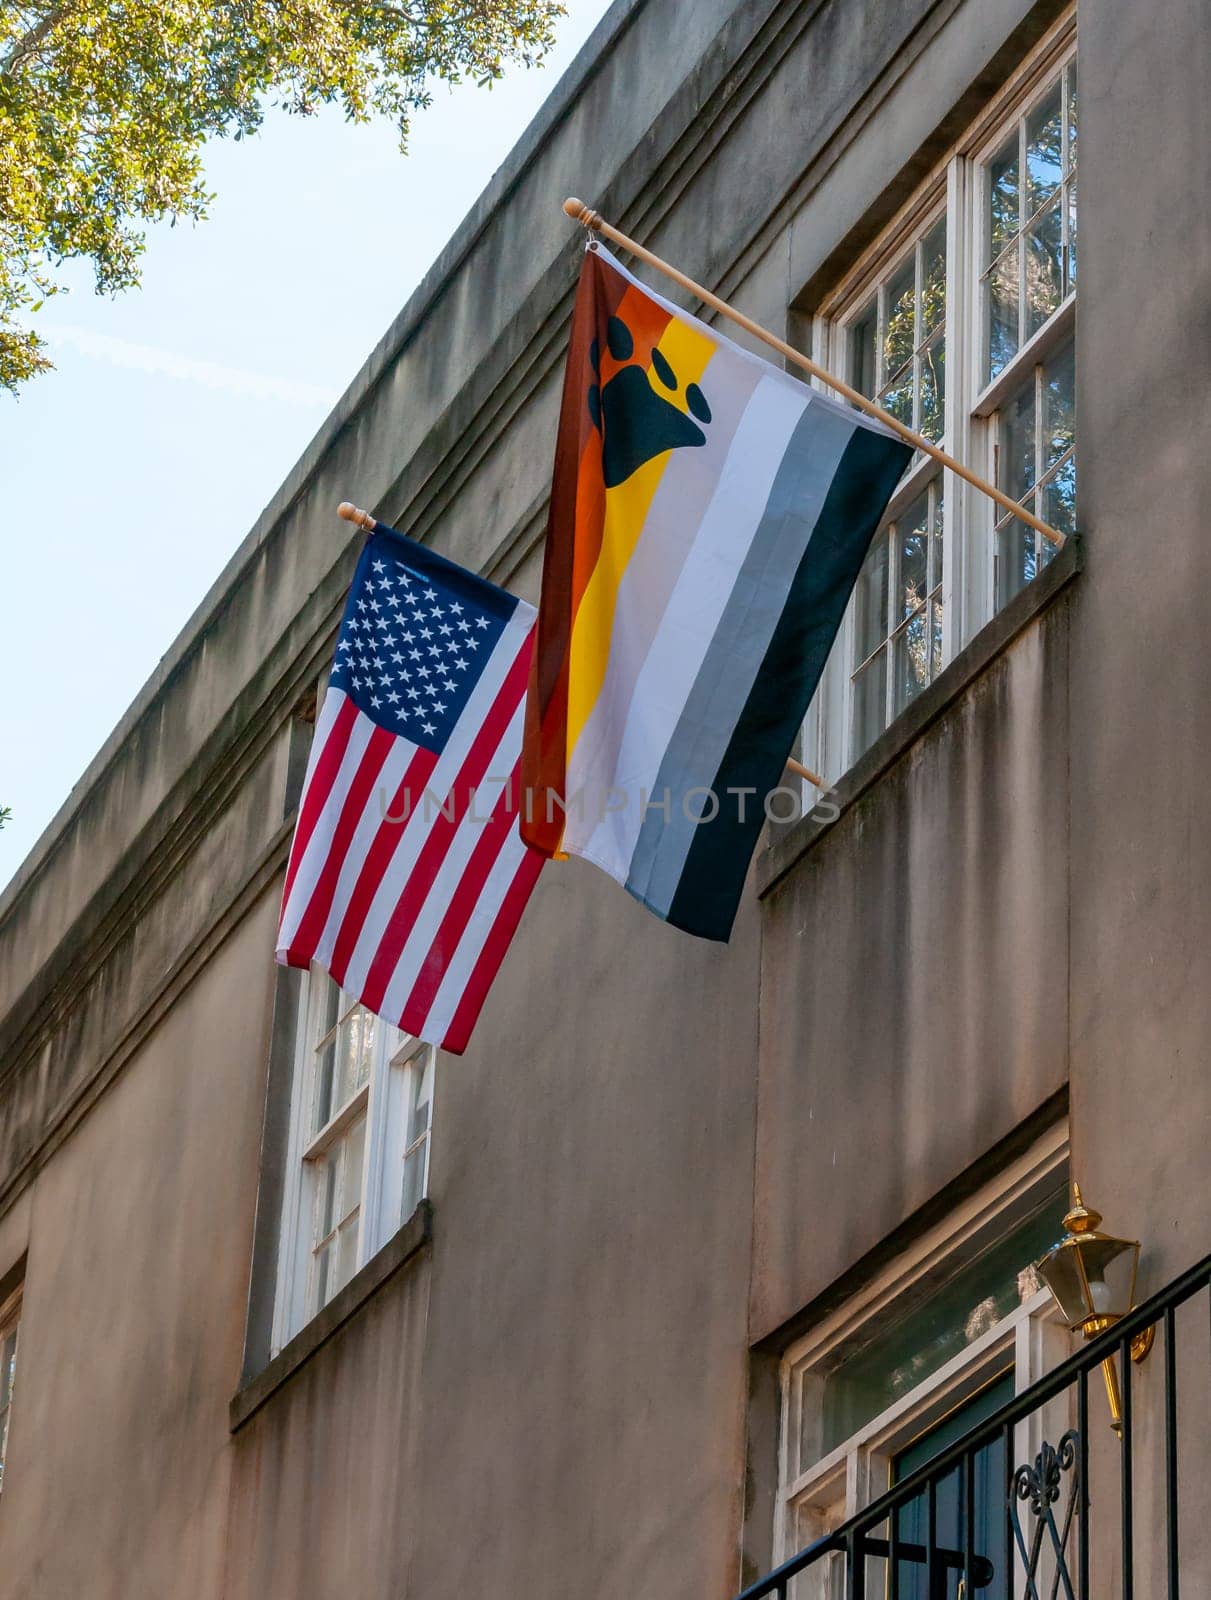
(590, 219)
(362, 519)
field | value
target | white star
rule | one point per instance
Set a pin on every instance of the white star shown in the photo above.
(405, 676)
(379, 662)
(344, 645)
(460, 663)
(436, 612)
(408, 638)
(374, 606)
(435, 650)
(414, 655)
(380, 566)
(425, 634)
(455, 644)
(397, 657)
(481, 622)
(455, 607)
(430, 594)
(393, 697)
(413, 694)
(423, 671)
(471, 644)
(357, 683)
(410, 597)
(394, 601)
(437, 706)
(361, 605)
(375, 701)
(463, 625)
(445, 628)
(385, 680)
(427, 727)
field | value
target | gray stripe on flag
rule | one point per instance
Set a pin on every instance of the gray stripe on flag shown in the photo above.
(735, 654)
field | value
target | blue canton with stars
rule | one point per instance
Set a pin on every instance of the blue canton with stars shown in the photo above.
(416, 635)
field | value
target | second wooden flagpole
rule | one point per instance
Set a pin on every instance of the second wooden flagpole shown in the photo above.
(579, 212)
(348, 512)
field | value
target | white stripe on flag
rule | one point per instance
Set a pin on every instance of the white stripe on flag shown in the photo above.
(479, 928)
(369, 825)
(466, 836)
(319, 845)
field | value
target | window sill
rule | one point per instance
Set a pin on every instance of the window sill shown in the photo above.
(789, 842)
(411, 1239)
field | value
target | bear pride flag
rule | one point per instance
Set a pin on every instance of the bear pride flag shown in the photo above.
(709, 516)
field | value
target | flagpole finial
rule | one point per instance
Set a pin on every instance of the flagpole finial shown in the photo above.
(351, 513)
(579, 212)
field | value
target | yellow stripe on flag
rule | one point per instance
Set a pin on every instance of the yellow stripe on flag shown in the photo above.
(626, 510)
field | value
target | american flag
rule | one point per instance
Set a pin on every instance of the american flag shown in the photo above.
(407, 875)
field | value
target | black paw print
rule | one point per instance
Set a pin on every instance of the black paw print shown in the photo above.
(635, 420)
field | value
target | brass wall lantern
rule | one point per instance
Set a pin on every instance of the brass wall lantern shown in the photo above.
(1091, 1276)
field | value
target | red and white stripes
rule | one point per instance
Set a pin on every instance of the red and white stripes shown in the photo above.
(408, 876)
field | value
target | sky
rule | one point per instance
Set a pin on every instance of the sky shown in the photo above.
(133, 471)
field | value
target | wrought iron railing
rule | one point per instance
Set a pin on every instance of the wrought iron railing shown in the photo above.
(1062, 1527)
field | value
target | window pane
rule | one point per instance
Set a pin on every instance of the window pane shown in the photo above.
(1015, 453)
(933, 279)
(325, 1071)
(1070, 76)
(323, 1291)
(900, 333)
(1059, 501)
(1003, 313)
(871, 627)
(933, 389)
(936, 640)
(1044, 266)
(897, 398)
(1071, 283)
(414, 1180)
(1015, 559)
(863, 339)
(903, 1351)
(870, 703)
(1044, 150)
(912, 656)
(1059, 400)
(420, 1099)
(1003, 217)
(912, 531)
(351, 1176)
(326, 1210)
(346, 1253)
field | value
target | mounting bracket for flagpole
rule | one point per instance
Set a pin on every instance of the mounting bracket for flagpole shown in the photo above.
(588, 218)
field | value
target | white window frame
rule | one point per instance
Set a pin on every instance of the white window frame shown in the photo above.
(1032, 1340)
(383, 1099)
(958, 187)
(10, 1324)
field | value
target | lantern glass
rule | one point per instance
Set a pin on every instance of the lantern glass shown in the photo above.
(1092, 1277)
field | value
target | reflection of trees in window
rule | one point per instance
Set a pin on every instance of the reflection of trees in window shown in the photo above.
(898, 619)
(897, 342)
(1036, 464)
(1030, 224)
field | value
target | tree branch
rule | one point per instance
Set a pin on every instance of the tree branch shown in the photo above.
(27, 45)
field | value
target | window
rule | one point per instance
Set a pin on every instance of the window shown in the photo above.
(358, 1164)
(948, 1333)
(10, 1320)
(960, 321)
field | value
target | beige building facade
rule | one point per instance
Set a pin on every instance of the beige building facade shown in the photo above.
(699, 1249)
